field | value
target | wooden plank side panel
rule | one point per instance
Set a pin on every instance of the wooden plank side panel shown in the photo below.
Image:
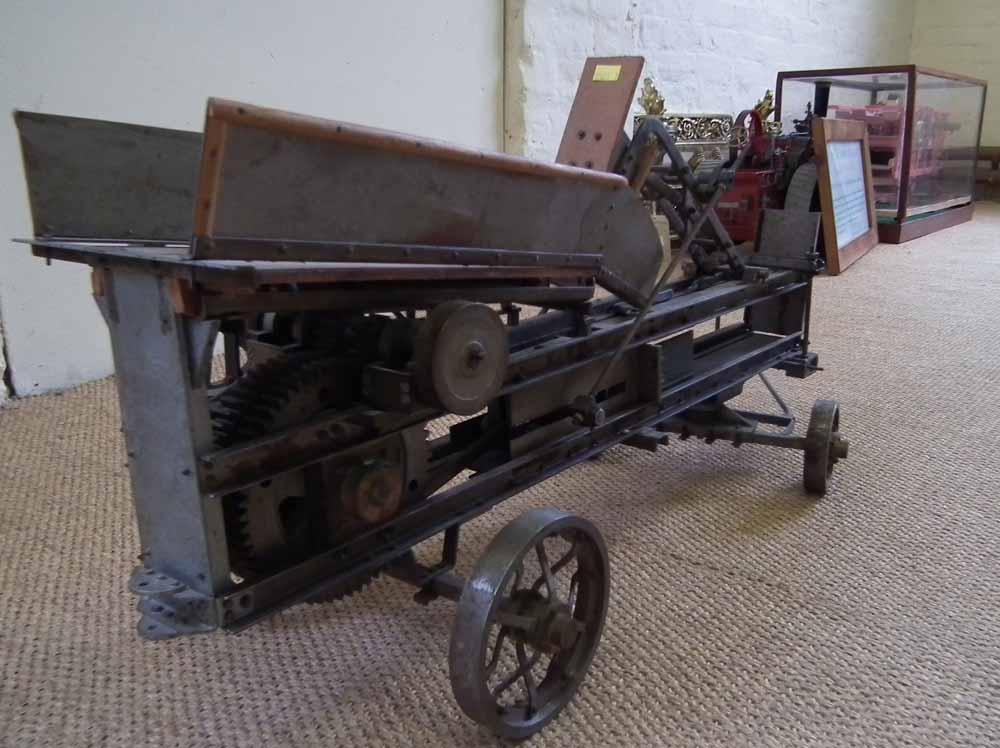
(301, 126)
(285, 177)
(209, 177)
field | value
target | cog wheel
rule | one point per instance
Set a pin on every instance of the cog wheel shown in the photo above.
(274, 522)
(272, 519)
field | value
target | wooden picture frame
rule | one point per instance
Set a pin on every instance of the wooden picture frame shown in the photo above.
(840, 191)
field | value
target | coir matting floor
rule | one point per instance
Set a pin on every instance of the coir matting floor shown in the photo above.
(742, 613)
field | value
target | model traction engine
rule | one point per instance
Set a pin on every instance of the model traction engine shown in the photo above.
(768, 163)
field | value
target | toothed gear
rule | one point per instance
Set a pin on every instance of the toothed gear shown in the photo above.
(273, 520)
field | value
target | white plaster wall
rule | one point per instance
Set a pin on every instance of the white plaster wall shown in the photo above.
(3, 368)
(704, 55)
(429, 68)
(962, 36)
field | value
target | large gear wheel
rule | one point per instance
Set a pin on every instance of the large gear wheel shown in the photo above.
(274, 522)
(272, 519)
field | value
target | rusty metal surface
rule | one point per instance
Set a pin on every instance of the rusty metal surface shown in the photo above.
(275, 175)
(266, 273)
(593, 137)
(271, 249)
(392, 297)
(92, 178)
(173, 262)
(787, 239)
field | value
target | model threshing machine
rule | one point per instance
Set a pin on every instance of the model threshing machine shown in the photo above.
(364, 284)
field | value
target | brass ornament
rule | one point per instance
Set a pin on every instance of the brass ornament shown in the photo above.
(765, 107)
(651, 101)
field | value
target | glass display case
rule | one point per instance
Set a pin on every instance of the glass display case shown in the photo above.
(923, 132)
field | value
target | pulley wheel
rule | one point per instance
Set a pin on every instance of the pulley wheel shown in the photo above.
(824, 446)
(460, 357)
(529, 621)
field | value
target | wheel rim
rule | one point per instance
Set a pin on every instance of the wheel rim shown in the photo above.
(523, 638)
(824, 422)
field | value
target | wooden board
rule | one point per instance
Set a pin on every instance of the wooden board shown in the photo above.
(594, 135)
(847, 201)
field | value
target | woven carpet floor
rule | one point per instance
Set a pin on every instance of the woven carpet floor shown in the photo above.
(742, 613)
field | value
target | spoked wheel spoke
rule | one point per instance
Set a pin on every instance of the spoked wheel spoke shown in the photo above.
(529, 682)
(574, 584)
(523, 670)
(491, 666)
(546, 578)
(566, 559)
(518, 573)
(553, 636)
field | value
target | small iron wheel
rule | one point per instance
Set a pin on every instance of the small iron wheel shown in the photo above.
(528, 622)
(460, 357)
(824, 446)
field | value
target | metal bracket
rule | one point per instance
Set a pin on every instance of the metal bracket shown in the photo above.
(800, 366)
(432, 581)
(170, 608)
(647, 439)
(388, 389)
(737, 426)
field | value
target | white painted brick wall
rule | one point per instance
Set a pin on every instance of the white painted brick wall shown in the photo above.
(962, 36)
(705, 55)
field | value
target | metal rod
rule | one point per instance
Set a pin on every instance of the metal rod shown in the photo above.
(693, 231)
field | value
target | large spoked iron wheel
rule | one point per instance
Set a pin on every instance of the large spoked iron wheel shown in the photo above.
(824, 446)
(529, 621)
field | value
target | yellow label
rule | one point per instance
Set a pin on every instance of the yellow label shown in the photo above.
(607, 72)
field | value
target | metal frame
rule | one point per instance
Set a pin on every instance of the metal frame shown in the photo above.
(160, 355)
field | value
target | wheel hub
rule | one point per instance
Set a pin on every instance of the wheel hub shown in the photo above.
(552, 626)
(373, 491)
(561, 629)
(838, 447)
(460, 357)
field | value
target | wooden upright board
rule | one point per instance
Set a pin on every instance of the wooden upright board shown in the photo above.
(847, 200)
(594, 135)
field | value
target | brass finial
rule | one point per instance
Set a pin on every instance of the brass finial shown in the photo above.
(765, 107)
(650, 100)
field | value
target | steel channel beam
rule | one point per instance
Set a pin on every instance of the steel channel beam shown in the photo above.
(159, 359)
(148, 258)
(237, 467)
(478, 494)
(672, 316)
(222, 247)
(334, 433)
(391, 298)
(735, 434)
